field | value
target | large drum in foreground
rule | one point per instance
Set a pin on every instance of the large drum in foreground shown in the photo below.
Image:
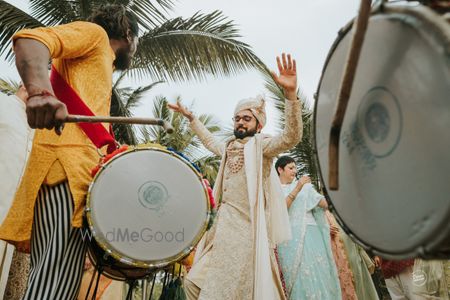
(146, 208)
(394, 160)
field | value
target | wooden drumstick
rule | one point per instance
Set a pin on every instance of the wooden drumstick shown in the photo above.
(120, 120)
(360, 27)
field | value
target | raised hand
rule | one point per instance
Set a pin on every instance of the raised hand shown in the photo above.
(377, 261)
(300, 183)
(181, 109)
(304, 180)
(287, 77)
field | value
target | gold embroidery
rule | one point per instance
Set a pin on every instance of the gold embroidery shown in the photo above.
(235, 158)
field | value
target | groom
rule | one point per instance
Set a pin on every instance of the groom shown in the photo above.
(235, 259)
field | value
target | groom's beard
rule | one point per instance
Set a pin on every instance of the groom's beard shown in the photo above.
(241, 133)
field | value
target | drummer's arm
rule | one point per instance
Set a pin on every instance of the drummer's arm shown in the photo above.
(211, 143)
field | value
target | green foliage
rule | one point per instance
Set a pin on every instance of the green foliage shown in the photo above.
(123, 100)
(184, 49)
(169, 49)
(183, 139)
(8, 86)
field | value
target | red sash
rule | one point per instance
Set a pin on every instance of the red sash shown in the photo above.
(75, 105)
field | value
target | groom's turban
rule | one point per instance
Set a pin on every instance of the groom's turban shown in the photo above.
(256, 106)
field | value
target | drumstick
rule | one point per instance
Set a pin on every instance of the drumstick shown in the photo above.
(360, 27)
(120, 120)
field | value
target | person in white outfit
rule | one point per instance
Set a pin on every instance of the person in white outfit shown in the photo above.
(15, 145)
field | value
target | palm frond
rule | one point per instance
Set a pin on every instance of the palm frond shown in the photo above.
(210, 122)
(183, 139)
(150, 13)
(51, 12)
(119, 79)
(123, 100)
(123, 132)
(209, 165)
(12, 19)
(136, 95)
(156, 134)
(8, 86)
(183, 49)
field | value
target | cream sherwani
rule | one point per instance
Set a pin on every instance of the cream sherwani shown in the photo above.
(226, 258)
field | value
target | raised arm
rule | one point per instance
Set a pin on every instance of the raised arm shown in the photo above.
(293, 128)
(208, 140)
(298, 187)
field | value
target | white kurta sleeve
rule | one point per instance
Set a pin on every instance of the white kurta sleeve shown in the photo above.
(208, 139)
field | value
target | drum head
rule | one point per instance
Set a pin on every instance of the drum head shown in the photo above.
(147, 207)
(394, 158)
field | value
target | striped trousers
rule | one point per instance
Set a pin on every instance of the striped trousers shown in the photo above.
(57, 249)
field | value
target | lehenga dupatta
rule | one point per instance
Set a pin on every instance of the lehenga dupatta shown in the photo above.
(291, 252)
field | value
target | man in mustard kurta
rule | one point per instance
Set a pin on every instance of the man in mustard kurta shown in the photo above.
(236, 260)
(46, 214)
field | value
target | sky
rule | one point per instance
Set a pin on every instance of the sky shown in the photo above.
(304, 28)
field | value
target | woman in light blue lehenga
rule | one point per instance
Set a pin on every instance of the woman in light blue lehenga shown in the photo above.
(306, 261)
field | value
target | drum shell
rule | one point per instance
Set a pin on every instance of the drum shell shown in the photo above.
(121, 267)
(112, 268)
(437, 243)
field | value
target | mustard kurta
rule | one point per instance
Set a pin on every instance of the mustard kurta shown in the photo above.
(82, 55)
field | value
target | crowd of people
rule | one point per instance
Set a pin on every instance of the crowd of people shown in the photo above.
(273, 236)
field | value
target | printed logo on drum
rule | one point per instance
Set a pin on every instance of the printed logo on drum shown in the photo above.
(126, 235)
(153, 195)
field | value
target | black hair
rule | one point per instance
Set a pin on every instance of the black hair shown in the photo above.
(282, 161)
(116, 20)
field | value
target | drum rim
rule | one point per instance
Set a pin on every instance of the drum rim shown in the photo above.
(426, 14)
(153, 263)
(105, 272)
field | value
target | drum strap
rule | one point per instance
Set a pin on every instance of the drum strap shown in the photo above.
(96, 132)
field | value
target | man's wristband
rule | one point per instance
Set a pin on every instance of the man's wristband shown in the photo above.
(41, 94)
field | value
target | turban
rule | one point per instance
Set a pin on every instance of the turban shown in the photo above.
(256, 106)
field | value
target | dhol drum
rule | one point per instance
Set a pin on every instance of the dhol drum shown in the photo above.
(146, 208)
(394, 162)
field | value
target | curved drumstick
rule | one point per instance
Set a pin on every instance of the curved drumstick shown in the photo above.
(360, 27)
(120, 120)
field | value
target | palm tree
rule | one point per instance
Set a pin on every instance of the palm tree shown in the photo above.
(176, 49)
(8, 86)
(123, 100)
(183, 139)
(303, 152)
